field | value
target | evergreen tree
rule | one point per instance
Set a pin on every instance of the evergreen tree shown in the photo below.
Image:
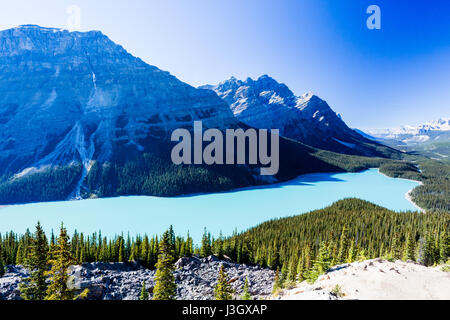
(165, 287)
(245, 293)
(222, 290)
(292, 272)
(410, 250)
(276, 281)
(321, 264)
(343, 247)
(145, 247)
(58, 275)
(121, 254)
(2, 267)
(362, 255)
(308, 261)
(20, 253)
(35, 286)
(426, 251)
(144, 293)
(351, 253)
(444, 247)
(284, 274)
(395, 247)
(2, 259)
(172, 238)
(301, 268)
(205, 249)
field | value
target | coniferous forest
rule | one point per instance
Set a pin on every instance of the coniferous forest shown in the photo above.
(299, 247)
(434, 193)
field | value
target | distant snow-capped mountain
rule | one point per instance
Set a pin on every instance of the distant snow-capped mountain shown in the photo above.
(266, 103)
(427, 132)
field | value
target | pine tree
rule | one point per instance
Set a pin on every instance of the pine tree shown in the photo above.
(292, 272)
(426, 251)
(58, 274)
(245, 293)
(308, 261)
(20, 253)
(121, 257)
(409, 253)
(222, 290)
(276, 281)
(362, 255)
(321, 264)
(444, 247)
(144, 293)
(343, 246)
(35, 286)
(2, 261)
(165, 287)
(284, 274)
(2, 267)
(205, 249)
(395, 247)
(351, 253)
(145, 247)
(301, 268)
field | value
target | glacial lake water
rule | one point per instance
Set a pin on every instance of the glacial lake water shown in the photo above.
(226, 212)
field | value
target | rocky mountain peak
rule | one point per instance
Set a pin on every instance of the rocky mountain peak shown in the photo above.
(266, 103)
(78, 96)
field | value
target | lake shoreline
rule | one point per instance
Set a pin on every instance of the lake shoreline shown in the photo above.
(409, 198)
(224, 212)
(408, 194)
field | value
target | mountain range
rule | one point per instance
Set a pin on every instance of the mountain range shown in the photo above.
(431, 138)
(81, 117)
(265, 103)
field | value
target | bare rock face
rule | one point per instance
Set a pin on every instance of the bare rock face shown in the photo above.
(78, 96)
(265, 103)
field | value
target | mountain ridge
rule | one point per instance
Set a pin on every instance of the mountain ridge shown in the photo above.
(81, 117)
(266, 103)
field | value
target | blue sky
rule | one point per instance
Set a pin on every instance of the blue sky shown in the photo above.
(374, 78)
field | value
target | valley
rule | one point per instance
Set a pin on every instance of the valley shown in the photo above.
(96, 122)
(222, 212)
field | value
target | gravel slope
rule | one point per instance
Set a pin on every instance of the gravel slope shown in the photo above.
(376, 279)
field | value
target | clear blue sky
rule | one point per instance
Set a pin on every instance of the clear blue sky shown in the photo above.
(374, 78)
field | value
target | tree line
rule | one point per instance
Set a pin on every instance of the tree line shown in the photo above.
(434, 193)
(299, 247)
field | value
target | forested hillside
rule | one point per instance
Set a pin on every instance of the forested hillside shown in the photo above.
(349, 229)
(434, 193)
(299, 246)
(153, 173)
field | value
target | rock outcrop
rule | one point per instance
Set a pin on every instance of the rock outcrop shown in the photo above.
(77, 97)
(266, 103)
(195, 279)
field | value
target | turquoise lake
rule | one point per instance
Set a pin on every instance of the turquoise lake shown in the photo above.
(239, 209)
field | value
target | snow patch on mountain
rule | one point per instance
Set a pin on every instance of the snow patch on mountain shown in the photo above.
(415, 134)
(349, 145)
(77, 97)
(267, 104)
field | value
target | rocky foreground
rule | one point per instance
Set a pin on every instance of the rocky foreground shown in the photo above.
(195, 279)
(368, 280)
(375, 279)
